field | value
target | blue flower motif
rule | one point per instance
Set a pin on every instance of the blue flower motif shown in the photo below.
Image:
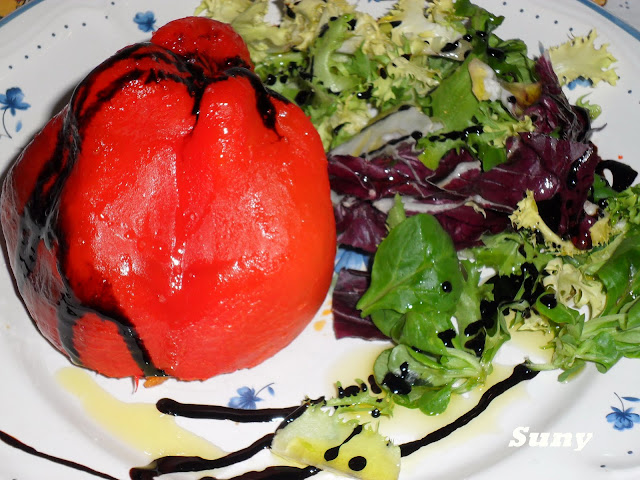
(12, 101)
(146, 21)
(247, 397)
(623, 418)
(350, 259)
(579, 82)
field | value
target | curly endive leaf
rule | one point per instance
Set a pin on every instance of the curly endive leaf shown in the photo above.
(579, 57)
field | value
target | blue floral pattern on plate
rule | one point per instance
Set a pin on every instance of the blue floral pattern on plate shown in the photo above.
(623, 418)
(579, 82)
(350, 259)
(11, 101)
(248, 397)
(146, 21)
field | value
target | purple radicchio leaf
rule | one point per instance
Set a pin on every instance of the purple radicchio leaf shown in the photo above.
(552, 112)
(359, 224)
(467, 201)
(467, 225)
(561, 193)
(371, 178)
(347, 322)
(365, 187)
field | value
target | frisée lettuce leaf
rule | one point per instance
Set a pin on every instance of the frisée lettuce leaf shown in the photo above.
(579, 58)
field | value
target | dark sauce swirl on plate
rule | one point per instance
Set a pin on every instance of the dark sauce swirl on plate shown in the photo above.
(175, 464)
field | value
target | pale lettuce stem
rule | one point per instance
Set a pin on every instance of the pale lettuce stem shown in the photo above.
(467, 357)
(607, 321)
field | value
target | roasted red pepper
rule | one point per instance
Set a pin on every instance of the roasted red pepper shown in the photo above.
(175, 217)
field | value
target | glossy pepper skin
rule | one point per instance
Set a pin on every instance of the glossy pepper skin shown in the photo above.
(175, 217)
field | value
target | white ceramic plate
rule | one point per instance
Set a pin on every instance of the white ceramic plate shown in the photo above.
(44, 51)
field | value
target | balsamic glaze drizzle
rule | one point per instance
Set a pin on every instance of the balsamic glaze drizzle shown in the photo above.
(333, 452)
(623, 174)
(15, 443)
(520, 373)
(276, 473)
(174, 464)
(216, 412)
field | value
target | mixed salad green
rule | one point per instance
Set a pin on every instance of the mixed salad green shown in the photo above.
(458, 164)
